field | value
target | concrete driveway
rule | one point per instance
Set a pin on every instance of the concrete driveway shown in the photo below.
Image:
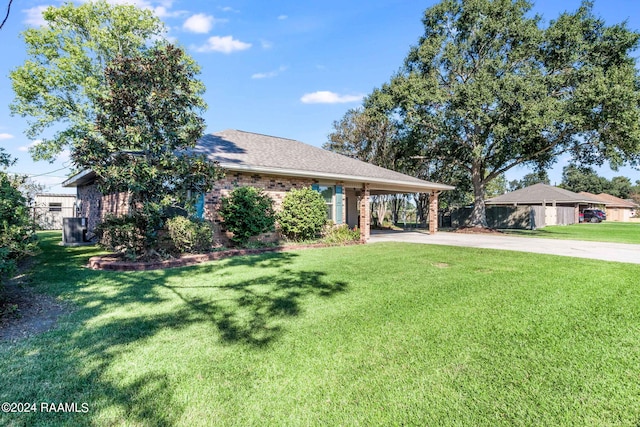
(620, 252)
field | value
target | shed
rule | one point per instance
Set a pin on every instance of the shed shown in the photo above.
(49, 209)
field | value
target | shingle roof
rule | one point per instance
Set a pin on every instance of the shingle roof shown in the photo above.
(539, 193)
(245, 151)
(614, 202)
(242, 151)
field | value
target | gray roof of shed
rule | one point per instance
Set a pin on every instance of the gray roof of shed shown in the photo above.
(246, 151)
(539, 193)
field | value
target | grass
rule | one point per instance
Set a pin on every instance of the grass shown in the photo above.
(381, 334)
(617, 232)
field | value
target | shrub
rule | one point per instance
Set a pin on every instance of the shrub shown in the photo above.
(17, 234)
(247, 212)
(340, 234)
(303, 214)
(124, 234)
(190, 235)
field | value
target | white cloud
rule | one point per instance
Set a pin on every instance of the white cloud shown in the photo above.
(34, 16)
(266, 44)
(5, 136)
(268, 75)
(326, 97)
(282, 17)
(199, 23)
(64, 156)
(33, 144)
(225, 44)
(163, 12)
(229, 9)
(161, 8)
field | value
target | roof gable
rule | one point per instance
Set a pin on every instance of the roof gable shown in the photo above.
(615, 202)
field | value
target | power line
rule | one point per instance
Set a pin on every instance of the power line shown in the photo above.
(42, 174)
(47, 173)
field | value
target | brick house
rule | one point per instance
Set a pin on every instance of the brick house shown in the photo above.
(277, 165)
(548, 205)
(617, 209)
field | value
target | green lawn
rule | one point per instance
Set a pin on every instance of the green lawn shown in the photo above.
(617, 232)
(380, 334)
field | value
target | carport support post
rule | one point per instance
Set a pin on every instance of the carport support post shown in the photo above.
(433, 212)
(365, 214)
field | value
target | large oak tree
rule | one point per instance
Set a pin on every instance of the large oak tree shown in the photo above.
(488, 88)
(59, 83)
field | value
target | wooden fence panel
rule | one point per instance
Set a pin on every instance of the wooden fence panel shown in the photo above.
(565, 215)
(519, 217)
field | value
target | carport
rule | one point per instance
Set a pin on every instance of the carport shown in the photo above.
(358, 204)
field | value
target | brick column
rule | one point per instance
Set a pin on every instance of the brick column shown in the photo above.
(433, 212)
(365, 214)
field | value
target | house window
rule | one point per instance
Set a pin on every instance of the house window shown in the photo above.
(55, 207)
(327, 195)
(332, 196)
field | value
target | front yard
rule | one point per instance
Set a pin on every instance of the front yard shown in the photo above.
(380, 334)
(616, 232)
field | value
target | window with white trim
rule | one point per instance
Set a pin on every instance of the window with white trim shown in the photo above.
(327, 195)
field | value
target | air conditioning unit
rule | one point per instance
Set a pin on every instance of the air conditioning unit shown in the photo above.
(74, 231)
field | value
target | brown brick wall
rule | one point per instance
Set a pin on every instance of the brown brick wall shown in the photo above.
(95, 206)
(275, 186)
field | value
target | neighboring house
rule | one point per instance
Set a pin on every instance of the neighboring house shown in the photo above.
(545, 205)
(49, 209)
(635, 212)
(617, 209)
(277, 165)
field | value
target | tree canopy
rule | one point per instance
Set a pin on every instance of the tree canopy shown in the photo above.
(63, 75)
(538, 177)
(147, 125)
(581, 178)
(488, 88)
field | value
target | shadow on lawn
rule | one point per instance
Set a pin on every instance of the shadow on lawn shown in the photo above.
(82, 360)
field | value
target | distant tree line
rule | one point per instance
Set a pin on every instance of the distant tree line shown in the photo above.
(574, 178)
(581, 178)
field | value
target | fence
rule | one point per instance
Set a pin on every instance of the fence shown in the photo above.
(50, 217)
(564, 215)
(520, 217)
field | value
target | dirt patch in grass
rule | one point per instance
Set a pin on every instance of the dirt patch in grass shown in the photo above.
(441, 265)
(23, 312)
(477, 230)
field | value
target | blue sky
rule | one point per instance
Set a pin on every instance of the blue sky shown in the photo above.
(283, 67)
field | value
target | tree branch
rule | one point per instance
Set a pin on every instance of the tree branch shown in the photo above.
(7, 15)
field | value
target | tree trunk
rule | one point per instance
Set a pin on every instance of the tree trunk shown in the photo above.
(478, 216)
(380, 208)
(422, 205)
(397, 202)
